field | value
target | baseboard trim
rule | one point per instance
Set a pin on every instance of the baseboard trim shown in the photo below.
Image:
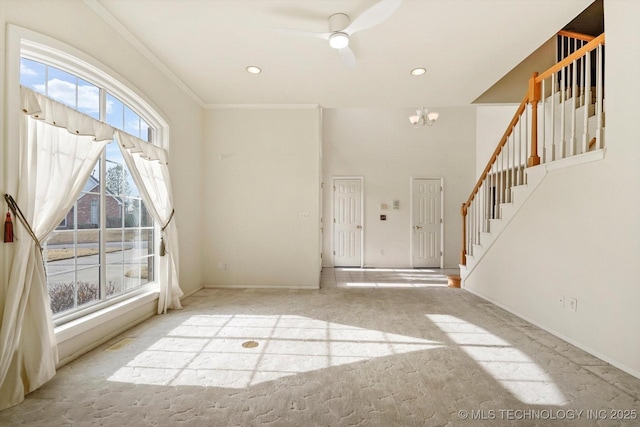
(187, 295)
(563, 337)
(299, 287)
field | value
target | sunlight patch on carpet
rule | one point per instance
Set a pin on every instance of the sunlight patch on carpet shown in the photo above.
(511, 367)
(208, 350)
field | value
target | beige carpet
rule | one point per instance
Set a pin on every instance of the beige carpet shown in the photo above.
(372, 348)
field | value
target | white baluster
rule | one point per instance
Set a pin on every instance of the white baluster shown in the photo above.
(506, 173)
(562, 113)
(496, 196)
(512, 141)
(599, 98)
(574, 88)
(485, 206)
(478, 212)
(542, 136)
(518, 142)
(498, 185)
(554, 78)
(587, 101)
(525, 140)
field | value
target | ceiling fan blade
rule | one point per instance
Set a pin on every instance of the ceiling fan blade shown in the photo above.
(303, 33)
(373, 16)
(347, 57)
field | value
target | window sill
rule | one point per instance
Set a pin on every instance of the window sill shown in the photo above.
(86, 323)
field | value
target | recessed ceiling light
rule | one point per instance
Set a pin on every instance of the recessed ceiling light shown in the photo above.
(418, 71)
(253, 69)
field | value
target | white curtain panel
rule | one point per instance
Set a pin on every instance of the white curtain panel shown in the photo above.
(148, 166)
(59, 148)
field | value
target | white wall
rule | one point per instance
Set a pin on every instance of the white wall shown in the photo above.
(578, 236)
(381, 146)
(491, 123)
(261, 171)
(74, 23)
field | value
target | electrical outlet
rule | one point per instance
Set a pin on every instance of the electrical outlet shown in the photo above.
(573, 305)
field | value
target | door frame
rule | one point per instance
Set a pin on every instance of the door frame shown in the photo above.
(411, 180)
(333, 216)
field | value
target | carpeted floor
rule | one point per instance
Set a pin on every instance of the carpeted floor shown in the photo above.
(371, 348)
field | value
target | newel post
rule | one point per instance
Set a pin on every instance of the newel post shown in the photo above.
(463, 253)
(534, 97)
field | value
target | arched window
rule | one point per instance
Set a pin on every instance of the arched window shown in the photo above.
(105, 250)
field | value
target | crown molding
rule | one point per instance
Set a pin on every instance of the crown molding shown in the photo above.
(111, 20)
(261, 106)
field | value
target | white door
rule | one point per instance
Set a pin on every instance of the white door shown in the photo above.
(347, 222)
(426, 222)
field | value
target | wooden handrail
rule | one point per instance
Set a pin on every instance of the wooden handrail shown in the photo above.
(533, 96)
(505, 138)
(569, 59)
(574, 35)
(495, 154)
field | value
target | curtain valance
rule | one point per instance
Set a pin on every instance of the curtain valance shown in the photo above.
(54, 113)
(58, 149)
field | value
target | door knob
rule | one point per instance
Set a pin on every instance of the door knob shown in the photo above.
(358, 226)
(417, 227)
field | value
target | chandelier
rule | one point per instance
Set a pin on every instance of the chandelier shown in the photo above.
(423, 117)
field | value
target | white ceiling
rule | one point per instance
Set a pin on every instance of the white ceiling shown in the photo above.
(466, 45)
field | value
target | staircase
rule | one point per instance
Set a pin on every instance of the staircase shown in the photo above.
(559, 123)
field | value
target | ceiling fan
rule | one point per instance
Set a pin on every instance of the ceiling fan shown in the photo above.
(341, 28)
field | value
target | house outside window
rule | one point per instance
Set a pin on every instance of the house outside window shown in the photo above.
(104, 249)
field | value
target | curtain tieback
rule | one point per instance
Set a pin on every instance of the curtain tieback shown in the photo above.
(13, 206)
(163, 250)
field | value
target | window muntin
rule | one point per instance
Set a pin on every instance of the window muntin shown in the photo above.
(105, 246)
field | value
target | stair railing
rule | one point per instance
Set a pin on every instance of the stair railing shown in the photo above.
(571, 98)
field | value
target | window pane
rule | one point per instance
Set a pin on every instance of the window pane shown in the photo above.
(132, 212)
(132, 273)
(32, 75)
(150, 273)
(131, 122)
(87, 285)
(68, 222)
(115, 258)
(115, 112)
(60, 252)
(88, 99)
(88, 247)
(62, 87)
(67, 293)
(146, 238)
(114, 245)
(115, 176)
(61, 292)
(115, 278)
(88, 206)
(130, 184)
(114, 212)
(132, 243)
(145, 131)
(145, 216)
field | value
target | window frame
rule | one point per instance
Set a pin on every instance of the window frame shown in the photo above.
(25, 43)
